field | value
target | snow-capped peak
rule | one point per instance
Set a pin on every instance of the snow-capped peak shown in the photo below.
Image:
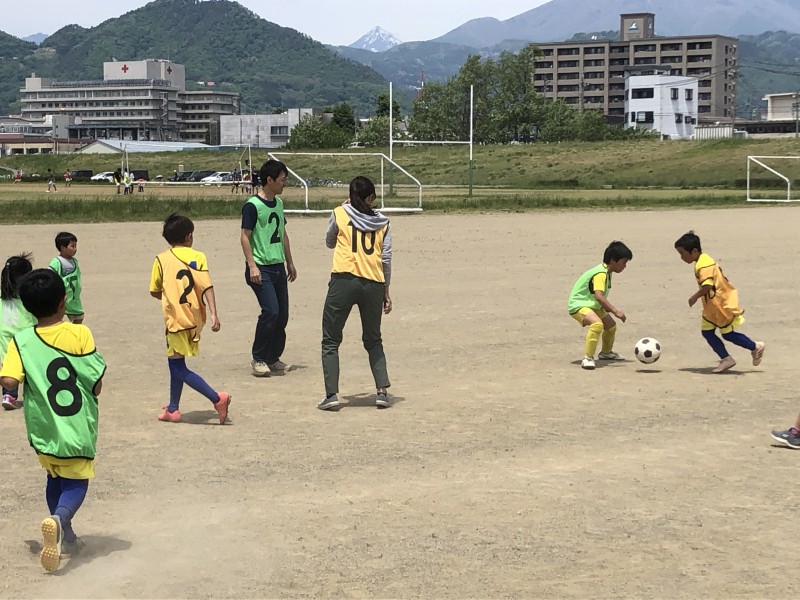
(376, 39)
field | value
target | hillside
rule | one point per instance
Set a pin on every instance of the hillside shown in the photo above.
(220, 41)
(560, 19)
(14, 54)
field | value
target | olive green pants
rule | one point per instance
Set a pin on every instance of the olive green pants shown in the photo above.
(344, 292)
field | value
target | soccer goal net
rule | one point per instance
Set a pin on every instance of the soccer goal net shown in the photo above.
(320, 180)
(773, 178)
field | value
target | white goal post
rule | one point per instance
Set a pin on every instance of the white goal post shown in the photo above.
(381, 185)
(759, 161)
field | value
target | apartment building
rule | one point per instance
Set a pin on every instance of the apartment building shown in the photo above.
(591, 74)
(661, 102)
(135, 100)
(261, 131)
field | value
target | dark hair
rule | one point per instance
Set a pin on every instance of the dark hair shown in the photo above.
(41, 291)
(689, 241)
(272, 168)
(362, 188)
(177, 228)
(617, 251)
(15, 267)
(64, 239)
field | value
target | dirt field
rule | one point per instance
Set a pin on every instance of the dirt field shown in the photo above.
(502, 471)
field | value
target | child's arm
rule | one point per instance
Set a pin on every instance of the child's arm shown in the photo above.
(608, 307)
(701, 293)
(211, 301)
(290, 270)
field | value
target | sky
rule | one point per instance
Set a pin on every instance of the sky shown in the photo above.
(339, 22)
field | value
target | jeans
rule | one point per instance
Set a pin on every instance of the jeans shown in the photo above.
(344, 292)
(273, 298)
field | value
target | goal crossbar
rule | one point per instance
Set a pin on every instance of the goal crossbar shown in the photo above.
(382, 184)
(758, 160)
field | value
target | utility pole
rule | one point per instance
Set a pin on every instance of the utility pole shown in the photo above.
(796, 113)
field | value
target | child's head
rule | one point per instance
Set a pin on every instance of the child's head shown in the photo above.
(66, 244)
(688, 246)
(42, 293)
(15, 267)
(177, 230)
(270, 175)
(616, 256)
(362, 194)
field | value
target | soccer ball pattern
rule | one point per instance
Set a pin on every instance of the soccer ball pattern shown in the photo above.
(647, 350)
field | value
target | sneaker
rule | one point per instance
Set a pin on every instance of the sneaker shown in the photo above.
(260, 368)
(382, 400)
(725, 364)
(278, 366)
(609, 356)
(588, 363)
(758, 353)
(222, 406)
(52, 534)
(790, 437)
(170, 417)
(329, 402)
(11, 403)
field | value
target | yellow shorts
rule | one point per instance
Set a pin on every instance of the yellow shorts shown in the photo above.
(69, 468)
(182, 343)
(579, 314)
(737, 322)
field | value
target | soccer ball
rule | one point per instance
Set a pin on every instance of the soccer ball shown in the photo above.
(647, 350)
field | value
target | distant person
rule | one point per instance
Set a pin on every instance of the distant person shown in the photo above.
(362, 270)
(51, 181)
(180, 279)
(60, 358)
(17, 176)
(126, 183)
(266, 248)
(67, 267)
(118, 178)
(721, 308)
(68, 178)
(14, 317)
(140, 181)
(589, 304)
(236, 177)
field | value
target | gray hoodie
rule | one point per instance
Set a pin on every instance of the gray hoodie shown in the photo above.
(364, 222)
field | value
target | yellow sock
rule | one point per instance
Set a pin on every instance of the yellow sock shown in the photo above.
(608, 339)
(593, 337)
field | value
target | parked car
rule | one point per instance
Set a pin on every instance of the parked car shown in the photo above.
(196, 176)
(217, 177)
(137, 174)
(179, 176)
(82, 174)
(104, 176)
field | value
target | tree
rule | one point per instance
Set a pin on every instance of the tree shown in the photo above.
(311, 134)
(382, 109)
(376, 132)
(343, 117)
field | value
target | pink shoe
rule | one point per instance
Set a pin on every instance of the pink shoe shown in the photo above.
(758, 353)
(222, 406)
(726, 363)
(170, 417)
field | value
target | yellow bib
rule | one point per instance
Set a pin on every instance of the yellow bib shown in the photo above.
(721, 306)
(182, 295)
(358, 252)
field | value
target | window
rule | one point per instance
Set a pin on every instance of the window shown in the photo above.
(673, 93)
(279, 130)
(640, 93)
(568, 64)
(689, 94)
(644, 116)
(679, 118)
(644, 48)
(644, 61)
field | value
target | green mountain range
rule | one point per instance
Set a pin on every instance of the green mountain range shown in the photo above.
(271, 67)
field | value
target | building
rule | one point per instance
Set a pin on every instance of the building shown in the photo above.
(661, 102)
(121, 146)
(591, 74)
(12, 144)
(199, 114)
(260, 131)
(135, 100)
(52, 125)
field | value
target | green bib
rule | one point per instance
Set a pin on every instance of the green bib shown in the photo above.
(267, 237)
(581, 296)
(73, 284)
(60, 405)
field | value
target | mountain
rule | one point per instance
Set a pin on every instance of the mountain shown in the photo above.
(559, 19)
(270, 66)
(36, 38)
(376, 39)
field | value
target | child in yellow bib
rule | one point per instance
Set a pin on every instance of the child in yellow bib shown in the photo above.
(721, 308)
(180, 279)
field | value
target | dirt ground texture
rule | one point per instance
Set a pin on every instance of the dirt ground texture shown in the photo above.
(503, 470)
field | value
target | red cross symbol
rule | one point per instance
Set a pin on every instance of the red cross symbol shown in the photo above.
(169, 70)
(124, 68)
